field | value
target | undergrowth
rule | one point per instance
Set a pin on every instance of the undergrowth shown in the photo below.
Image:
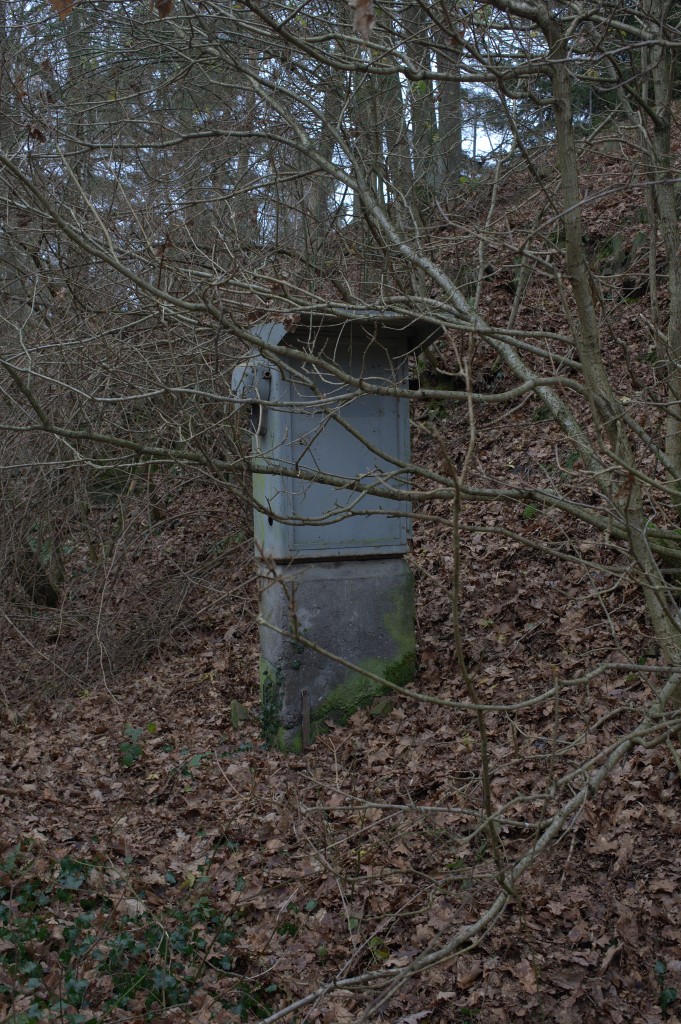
(77, 947)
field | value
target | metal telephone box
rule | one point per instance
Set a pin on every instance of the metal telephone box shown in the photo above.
(326, 423)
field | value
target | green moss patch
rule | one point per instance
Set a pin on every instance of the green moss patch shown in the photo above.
(356, 692)
(402, 672)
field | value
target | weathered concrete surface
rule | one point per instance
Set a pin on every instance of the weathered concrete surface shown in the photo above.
(359, 610)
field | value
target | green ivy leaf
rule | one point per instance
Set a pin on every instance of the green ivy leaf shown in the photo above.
(667, 997)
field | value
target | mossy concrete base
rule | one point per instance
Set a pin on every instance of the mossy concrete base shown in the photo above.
(359, 610)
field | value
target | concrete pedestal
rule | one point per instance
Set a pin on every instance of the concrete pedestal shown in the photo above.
(360, 610)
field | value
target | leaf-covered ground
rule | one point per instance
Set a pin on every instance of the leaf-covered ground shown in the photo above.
(157, 862)
(326, 864)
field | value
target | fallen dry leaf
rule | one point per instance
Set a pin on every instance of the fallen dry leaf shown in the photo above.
(467, 972)
(365, 16)
(62, 7)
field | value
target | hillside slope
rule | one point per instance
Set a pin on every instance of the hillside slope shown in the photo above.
(159, 864)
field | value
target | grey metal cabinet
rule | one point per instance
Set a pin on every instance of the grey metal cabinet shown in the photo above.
(326, 424)
(308, 421)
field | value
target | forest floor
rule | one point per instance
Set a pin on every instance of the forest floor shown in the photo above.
(158, 863)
